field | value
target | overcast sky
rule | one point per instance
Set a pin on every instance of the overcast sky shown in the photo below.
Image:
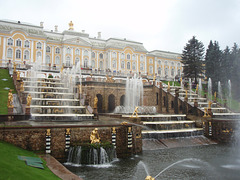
(159, 24)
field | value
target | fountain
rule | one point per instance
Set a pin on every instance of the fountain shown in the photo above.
(229, 95)
(200, 87)
(210, 89)
(190, 86)
(220, 96)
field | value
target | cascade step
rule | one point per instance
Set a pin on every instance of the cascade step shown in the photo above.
(169, 125)
(160, 117)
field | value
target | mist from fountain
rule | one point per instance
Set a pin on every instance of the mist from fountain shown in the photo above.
(220, 96)
(190, 86)
(210, 89)
(229, 95)
(200, 87)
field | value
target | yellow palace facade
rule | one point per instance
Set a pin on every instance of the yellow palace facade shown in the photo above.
(27, 44)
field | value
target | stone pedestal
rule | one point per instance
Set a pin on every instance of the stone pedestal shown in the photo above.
(10, 110)
(95, 112)
(27, 110)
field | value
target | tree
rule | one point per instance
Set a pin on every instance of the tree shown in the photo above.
(192, 59)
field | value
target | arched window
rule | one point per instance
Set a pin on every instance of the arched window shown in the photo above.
(39, 45)
(26, 54)
(114, 55)
(57, 50)
(77, 52)
(48, 60)
(114, 65)
(179, 73)
(39, 56)
(159, 70)
(26, 44)
(93, 64)
(172, 64)
(68, 61)
(166, 72)
(101, 56)
(77, 60)
(68, 50)
(48, 49)
(85, 53)
(150, 69)
(172, 72)
(85, 62)
(141, 66)
(134, 65)
(128, 65)
(122, 56)
(10, 42)
(128, 56)
(19, 42)
(18, 54)
(9, 53)
(159, 62)
(141, 58)
(133, 57)
(93, 54)
(122, 64)
(150, 61)
(101, 65)
(57, 60)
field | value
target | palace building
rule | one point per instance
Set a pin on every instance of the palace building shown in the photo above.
(26, 44)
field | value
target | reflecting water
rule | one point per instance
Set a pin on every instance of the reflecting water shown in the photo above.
(213, 162)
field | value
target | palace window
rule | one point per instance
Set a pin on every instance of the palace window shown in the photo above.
(18, 54)
(93, 54)
(57, 60)
(68, 61)
(141, 58)
(114, 64)
(101, 65)
(57, 50)
(122, 64)
(68, 50)
(77, 52)
(128, 65)
(114, 55)
(159, 62)
(9, 53)
(48, 59)
(85, 53)
(134, 65)
(19, 43)
(48, 49)
(150, 61)
(166, 63)
(128, 56)
(159, 70)
(101, 56)
(39, 45)
(77, 60)
(122, 56)
(179, 73)
(10, 42)
(133, 57)
(85, 62)
(39, 56)
(93, 64)
(172, 72)
(26, 44)
(172, 64)
(166, 72)
(141, 66)
(150, 69)
(26, 54)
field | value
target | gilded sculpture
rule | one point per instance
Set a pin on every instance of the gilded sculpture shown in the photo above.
(18, 75)
(95, 102)
(135, 111)
(94, 137)
(10, 99)
(21, 87)
(29, 99)
(71, 26)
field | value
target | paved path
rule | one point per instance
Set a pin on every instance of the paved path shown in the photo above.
(58, 169)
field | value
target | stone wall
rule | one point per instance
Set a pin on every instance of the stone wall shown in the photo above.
(34, 138)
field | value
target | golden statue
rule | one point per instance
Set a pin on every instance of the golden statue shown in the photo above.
(114, 130)
(209, 104)
(95, 102)
(48, 132)
(21, 86)
(215, 96)
(129, 129)
(124, 123)
(197, 89)
(154, 77)
(68, 131)
(186, 94)
(71, 26)
(80, 88)
(10, 99)
(135, 111)
(18, 75)
(149, 178)
(95, 136)
(14, 67)
(168, 86)
(29, 99)
(62, 69)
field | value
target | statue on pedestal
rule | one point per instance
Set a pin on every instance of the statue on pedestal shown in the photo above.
(10, 99)
(21, 87)
(135, 111)
(18, 75)
(71, 26)
(94, 137)
(29, 99)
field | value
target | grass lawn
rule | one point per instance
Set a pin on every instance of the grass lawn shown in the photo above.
(12, 168)
(3, 92)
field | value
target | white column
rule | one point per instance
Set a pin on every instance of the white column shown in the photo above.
(44, 52)
(4, 48)
(155, 64)
(32, 45)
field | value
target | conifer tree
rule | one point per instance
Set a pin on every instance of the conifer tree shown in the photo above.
(192, 59)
